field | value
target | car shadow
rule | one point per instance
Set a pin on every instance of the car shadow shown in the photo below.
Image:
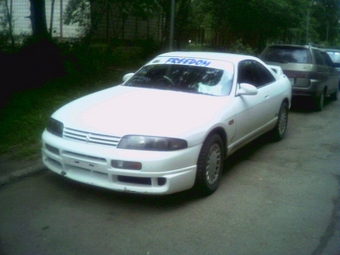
(306, 104)
(77, 191)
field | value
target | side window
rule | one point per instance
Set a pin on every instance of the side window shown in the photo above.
(327, 59)
(318, 58)
(263, 73)
(245, 72)
(254, 73)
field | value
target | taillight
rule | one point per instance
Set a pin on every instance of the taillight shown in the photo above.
(304, 75)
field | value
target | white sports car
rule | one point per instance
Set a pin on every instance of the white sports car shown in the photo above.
(169, 126)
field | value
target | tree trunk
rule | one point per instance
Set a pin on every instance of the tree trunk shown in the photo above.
(38, 19)
(9, 12)
(52, 14)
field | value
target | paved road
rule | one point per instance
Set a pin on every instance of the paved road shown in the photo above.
(275, 198)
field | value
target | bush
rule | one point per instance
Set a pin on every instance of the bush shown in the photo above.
(41, 84)
(237, 47)
(240, 48)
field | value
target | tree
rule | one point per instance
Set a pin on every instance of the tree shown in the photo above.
(38, 19)
(112, 13)
(39, 59)
(8, 13)
(258, 22)
(326, 12)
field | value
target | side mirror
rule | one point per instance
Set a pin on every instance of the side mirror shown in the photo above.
(127, 76)
(246, 89)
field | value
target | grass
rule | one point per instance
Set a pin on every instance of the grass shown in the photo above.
(24, 117)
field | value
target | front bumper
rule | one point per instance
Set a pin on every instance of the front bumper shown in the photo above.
(161, 173)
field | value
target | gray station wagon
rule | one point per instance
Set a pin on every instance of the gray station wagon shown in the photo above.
(310, 70)
(335, 56)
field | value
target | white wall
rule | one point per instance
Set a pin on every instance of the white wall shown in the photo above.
(22, 24)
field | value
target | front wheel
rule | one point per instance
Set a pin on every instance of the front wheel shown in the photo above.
(280, 128)
(209, 165)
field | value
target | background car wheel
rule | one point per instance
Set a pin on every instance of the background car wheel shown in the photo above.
(335, 95)
(319, 101)
(280, 128)
(209, 165)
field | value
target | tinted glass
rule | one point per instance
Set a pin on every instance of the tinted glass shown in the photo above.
(184, 78)
(254, 73)
(327, 59)
(287, 55)
(318, 58)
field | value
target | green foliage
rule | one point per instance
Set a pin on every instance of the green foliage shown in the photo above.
(77, 12)
(89, 68)
(240, 48)
(237, 26)
(325, 17)
(6, 26)
(236, 47)
(258, 22)
(215, 22)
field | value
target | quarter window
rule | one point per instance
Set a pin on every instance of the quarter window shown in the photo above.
(327, 59)
(254, 73)
(318, 58)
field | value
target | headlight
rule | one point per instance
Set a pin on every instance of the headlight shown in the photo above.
(55, 127)
(151, 143)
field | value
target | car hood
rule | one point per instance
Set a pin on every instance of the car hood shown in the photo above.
(128, 110)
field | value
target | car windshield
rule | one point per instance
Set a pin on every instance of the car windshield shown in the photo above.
(287, 55)
(184, 78)
(335, 56)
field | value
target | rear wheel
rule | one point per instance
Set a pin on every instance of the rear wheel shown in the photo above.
(280, 128)
(319, 101)
(335, 95)
(209, 165)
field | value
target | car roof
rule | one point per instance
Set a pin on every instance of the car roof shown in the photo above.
(294, 46)
(332, 50)
(208, 55)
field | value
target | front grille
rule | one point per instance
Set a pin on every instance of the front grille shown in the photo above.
(70, 154)
(88, 137)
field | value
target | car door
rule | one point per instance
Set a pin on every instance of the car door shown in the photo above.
(255, 112)
(332, 74)
(327, 73)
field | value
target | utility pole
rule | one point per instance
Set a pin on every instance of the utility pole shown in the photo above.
(307, 29)
(172, 22)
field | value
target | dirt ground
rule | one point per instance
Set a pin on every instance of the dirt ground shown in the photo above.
(12, 167)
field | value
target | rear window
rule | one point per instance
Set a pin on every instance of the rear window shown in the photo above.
(287, 55)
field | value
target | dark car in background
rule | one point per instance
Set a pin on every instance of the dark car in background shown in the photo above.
(310, 70)
(335, 56)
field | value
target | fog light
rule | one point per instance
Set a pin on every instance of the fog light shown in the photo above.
(126, 165)
(161, 181)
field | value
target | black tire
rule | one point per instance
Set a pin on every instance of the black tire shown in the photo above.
(280, 128)
(209, 165)
(335, 95)
(319, 102)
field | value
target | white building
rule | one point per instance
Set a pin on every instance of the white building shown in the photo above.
(110, 26)
(21, 24)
